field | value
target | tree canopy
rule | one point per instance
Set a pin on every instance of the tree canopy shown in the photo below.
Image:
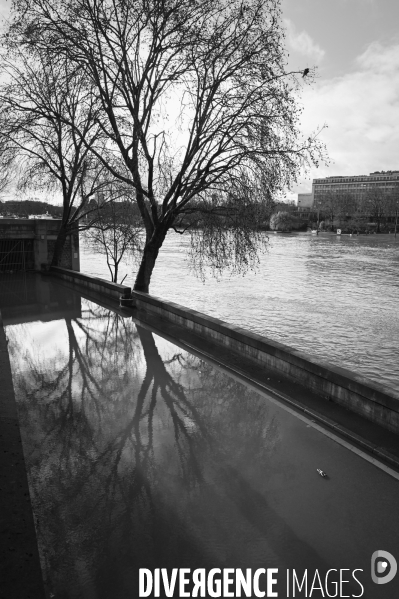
(42, 106)
(199, 115)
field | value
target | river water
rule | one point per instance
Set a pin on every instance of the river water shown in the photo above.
(334, 298)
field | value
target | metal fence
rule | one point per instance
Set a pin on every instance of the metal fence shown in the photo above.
(16, 255)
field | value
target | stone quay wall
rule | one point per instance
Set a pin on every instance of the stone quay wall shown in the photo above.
(353, 391)
(94, 284)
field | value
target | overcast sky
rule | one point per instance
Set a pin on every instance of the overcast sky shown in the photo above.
(355, 45)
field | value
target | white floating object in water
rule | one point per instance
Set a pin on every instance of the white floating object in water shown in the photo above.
(323, 474)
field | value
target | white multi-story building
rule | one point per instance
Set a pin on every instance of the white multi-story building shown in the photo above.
(358, 186)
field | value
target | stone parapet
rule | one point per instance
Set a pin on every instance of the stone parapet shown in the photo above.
(94, 284)
(353, 391)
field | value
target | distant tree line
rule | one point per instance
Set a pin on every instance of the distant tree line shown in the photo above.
(287, 221)
(345, 211)
(24, 208)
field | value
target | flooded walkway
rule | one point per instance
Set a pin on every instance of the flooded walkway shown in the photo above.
(142, 455)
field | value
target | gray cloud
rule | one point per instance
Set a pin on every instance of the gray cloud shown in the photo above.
(302, 43)
(361, 109)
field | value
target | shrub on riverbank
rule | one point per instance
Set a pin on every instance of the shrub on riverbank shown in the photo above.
(281, 221)
(286, 221)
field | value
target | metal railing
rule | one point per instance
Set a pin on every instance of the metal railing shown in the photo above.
(16, 255)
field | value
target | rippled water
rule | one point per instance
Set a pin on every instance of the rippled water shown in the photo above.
(335, 298)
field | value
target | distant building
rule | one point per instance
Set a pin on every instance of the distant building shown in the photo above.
(357, 186)
(28, 244)
(305, 201)
(345, 196)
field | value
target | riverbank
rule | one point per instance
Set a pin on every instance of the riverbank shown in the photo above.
(383, 236)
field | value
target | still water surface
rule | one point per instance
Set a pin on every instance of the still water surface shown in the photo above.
(335, 298)
(140, 454)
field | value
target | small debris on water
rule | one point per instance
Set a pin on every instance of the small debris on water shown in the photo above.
(322, 473)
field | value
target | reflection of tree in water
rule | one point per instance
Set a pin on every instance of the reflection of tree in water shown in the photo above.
(123, 439)
(91, 428)
(234, 409)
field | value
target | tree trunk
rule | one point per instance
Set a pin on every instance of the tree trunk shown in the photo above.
(150, 254)
(59, 246)
(142, 282)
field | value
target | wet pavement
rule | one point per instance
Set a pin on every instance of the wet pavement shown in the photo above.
(20, 572)
(140, 454)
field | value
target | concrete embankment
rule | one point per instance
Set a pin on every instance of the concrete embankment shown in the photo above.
(342, 386)
(113, 290)
(354, 392)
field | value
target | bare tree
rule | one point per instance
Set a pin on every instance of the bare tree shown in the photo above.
(196, 104)
(116, 234)
(348, 205)
(42, 104)
(377, 204)
(393, 206)
(336, 204)
(6, 171)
